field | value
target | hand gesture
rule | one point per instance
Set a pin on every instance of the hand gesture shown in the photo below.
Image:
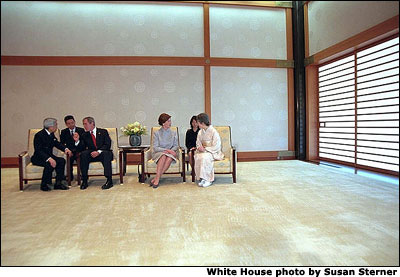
(201, 148)
(76, 136)
(53, 163)
(94, 154)
(68, 152)
(172, 152)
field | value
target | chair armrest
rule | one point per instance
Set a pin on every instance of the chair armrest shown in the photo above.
(192, 156)
(192, 163)
(181, 149)
(147, 154)
(23, 160)
(23, 153)
(78, 158)
(181, 154)
(59, 153)
(234, 156)
(146, 157)
(233, 151)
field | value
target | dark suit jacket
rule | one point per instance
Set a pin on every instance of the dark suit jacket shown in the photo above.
(103, 141)
(68, 140)
(44, 145)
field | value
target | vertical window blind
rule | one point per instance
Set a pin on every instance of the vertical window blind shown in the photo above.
(359, 108)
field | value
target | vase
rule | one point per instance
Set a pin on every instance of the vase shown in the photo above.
(135, 140)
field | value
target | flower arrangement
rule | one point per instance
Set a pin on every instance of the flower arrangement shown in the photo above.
(134, 129)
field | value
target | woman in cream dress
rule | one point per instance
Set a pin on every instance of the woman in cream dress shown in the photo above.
(208, 146)
(165, 145)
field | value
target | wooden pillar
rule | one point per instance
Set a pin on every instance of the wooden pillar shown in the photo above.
(312, 115)
(207, 69)
(299, 80)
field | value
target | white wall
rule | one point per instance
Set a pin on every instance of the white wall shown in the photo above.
(117, 95)
(113, 95)
(101, 29)
(257, 33)
(331, 22)
(253, 101)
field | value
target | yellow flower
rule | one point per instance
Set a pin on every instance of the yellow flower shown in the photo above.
(134, 129)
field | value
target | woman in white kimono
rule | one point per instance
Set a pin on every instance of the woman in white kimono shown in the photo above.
(208, 146)
(165, 145)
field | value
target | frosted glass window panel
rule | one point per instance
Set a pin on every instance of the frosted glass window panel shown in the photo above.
(256, 33)
(253, 101)
(331, 22)
(113, 95)
(101, 29)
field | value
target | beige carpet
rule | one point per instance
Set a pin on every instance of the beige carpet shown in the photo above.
(279, 213)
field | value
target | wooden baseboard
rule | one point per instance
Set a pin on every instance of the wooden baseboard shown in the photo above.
(9, 162)
(265, 156)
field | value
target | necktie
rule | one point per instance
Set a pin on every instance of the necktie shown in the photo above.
(72, 133)
(93, 138)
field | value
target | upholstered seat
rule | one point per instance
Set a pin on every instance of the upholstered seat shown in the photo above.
(97, 169)
(150, 167)
(228, 164)
(30, 172)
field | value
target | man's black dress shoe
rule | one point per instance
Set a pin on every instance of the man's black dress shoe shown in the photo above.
(107, 185)
(45, 187)
(61, 185)
(84, 185)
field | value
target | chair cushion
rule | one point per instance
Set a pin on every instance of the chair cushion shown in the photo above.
(34, 171)
(222, 166)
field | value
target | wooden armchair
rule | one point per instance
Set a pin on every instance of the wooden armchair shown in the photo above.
(97, 169)
(30, 172)
(150, 167)
(228, 164)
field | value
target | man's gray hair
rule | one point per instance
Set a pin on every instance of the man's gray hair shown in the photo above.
(89, 119)
(49, 122)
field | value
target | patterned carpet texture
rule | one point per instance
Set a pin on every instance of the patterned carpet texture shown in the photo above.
(282, 213)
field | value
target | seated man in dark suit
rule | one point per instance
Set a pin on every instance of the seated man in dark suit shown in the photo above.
(95, 146)
(44, 141)
(67, 139)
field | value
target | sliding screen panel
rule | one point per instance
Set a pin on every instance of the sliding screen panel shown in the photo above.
(378, 106)
(337, 110)
(359, 107)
